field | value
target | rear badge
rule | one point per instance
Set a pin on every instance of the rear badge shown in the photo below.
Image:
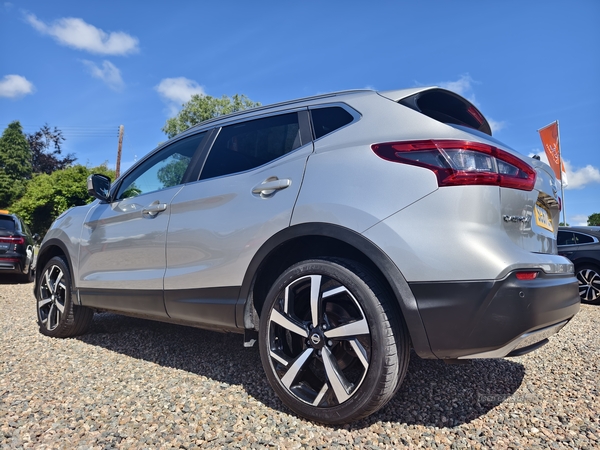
(522, 219)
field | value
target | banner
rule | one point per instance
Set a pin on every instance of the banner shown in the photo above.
(551, 142)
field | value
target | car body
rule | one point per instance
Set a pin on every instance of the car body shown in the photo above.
(582, 246)
(17, 247)
(338, 231)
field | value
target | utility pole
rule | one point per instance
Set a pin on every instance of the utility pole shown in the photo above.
(118, 168)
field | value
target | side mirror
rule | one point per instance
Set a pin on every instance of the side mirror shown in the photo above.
(98, 186)
(37, 238)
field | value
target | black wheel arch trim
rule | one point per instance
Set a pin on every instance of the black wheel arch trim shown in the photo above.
(245, 313)
(40, 258)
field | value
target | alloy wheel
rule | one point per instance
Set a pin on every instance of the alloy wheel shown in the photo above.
(589, 285)
(52, 297)
(319, 341)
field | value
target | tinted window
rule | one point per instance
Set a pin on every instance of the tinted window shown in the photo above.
(247, 145)
(326, 120)
(583, 238)
(571, 238)
(7, 223)
(163, 170)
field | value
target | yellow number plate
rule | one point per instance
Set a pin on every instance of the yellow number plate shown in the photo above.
(542, 217)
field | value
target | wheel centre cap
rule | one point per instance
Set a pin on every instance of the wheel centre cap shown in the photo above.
(316, 338)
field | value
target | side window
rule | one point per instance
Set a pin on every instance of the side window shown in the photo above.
(565, 238)
(163, 170)
(326, 120)
(583, 238)
(244, 146)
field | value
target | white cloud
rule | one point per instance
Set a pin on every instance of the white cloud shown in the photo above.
(14, 86)
(177, 91)
(463, 86)
(76, 33)
(496, 125)
(108, 73)
(579, 219)
(577, 178)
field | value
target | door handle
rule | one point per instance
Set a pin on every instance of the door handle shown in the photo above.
(270, 185)
(153, 209)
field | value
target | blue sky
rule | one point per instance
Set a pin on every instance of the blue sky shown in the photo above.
(87, 67)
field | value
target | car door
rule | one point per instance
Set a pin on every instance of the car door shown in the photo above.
(246, 193)
(122, 248)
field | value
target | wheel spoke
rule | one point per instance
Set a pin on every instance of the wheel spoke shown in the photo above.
(48, 282)
(58, 281)
(49, 318)
(337, 290)
(279, 358)
(287, 323)
(315, 299)
(60, 307)
(349, 330)
(292, 372)
(44, 302)
(336, 378)
(360, 351)
(320, 395)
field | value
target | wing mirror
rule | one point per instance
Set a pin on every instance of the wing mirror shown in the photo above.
(98, 186)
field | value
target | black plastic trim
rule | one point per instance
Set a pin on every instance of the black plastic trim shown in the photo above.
(471, 317)
(139, 301)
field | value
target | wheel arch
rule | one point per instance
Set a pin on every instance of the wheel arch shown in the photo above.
(311, 240)
(50, 249)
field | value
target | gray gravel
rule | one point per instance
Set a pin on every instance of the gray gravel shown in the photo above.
(131, 383)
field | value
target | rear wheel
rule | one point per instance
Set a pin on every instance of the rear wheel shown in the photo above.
(588, 277)
(332, 345)
(57, 315)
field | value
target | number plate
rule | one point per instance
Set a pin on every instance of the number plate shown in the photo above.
(4, 246)
(543, 218)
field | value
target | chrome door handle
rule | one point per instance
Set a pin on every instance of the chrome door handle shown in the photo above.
(270, 185)
(154, 209)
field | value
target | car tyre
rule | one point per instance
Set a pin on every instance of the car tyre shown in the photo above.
(331, 341)
(588, 276)
(57, 315)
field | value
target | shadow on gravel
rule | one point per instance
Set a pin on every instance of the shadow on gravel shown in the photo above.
(432, 394)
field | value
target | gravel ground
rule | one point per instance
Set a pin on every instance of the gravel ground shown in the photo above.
(131, 383)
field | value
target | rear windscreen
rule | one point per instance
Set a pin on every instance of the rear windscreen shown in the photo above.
(447, 107)
(7, 223)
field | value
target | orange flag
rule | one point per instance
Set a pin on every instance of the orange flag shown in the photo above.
(549, 136)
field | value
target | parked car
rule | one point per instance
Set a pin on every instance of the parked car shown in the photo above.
(17, 247)
(582, 246)
(336, 231)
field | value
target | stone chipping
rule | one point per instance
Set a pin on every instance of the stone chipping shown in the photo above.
(138, 384)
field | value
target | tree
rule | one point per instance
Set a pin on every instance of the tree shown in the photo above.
(48, 196)
(43, 159)
(15, 163)
(594, 219)
(203, 107)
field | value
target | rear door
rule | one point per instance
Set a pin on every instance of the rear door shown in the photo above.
(246, 193)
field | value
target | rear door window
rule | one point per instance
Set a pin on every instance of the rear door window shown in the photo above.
(244, 146)
(7, 224)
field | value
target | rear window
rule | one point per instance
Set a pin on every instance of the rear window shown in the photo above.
(7, 223)
(573, 238)
(447, 107)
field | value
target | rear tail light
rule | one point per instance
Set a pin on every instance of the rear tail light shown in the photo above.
(12, 240)
(459, 163)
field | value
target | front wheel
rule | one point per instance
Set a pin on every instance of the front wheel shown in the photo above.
(57, 315)
(331, 342)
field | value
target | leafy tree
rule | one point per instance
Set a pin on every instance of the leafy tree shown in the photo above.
(594, 219)
(45, 150)
(203, 107)
(48, 196)
(15, 163)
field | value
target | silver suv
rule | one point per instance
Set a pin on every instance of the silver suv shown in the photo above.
(337, 231)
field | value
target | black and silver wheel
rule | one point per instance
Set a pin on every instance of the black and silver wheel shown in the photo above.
(588, 277)
(331, 343)
(57, 315)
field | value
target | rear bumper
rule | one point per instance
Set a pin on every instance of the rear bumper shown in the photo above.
(12, 264)
(492, 319)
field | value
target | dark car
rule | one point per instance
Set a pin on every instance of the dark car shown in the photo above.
(582, 246)
(17, 252)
